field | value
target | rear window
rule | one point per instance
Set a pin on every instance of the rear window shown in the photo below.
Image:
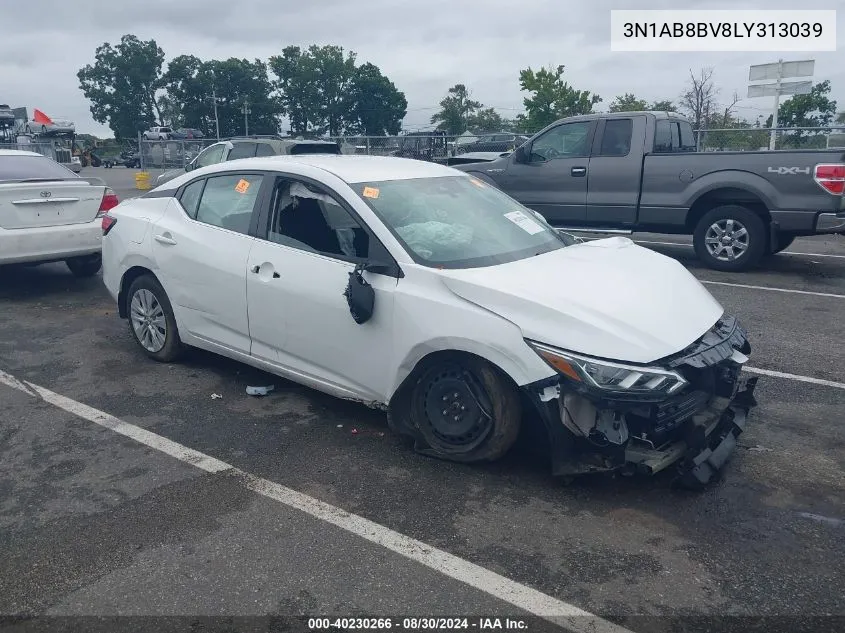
(315, 148)
(32, 167)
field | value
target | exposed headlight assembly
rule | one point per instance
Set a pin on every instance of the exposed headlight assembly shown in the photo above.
(608, 377)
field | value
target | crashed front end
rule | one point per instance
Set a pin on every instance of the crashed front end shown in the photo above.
(684, 411)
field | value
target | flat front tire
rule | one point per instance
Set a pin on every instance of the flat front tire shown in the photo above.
(465, 409)
(730, 238)
(151, 320)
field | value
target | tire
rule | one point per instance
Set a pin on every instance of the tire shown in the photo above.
(471, 389)
(85, 266)
(750, 238)
(784, 241)
(148, 308)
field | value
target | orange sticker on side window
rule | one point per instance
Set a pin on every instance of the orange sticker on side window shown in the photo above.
(370, 192)
(242, 186)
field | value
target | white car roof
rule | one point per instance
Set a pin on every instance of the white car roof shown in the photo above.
(17, 152)
(353, 169)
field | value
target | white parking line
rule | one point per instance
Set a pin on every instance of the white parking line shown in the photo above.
(781, 253)
(521, 596)
(773, 289)
(809, 379)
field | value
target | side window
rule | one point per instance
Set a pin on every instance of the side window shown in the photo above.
(662, 137)
(308, 217)
(242, 150)
(190, 198)
(564, 141)
(616, 140)
(688, 142)
(676, 136)
(210, 156)
(264, 149)
(228, 201)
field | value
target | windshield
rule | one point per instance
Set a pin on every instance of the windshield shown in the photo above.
(458, 222)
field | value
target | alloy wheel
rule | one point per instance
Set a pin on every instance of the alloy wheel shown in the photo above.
(148, 322)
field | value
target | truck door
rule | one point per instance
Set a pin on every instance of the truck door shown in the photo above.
(553, 178)
(616, 164)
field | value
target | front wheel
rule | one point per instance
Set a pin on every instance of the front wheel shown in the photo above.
(151, 320)
(730, 238)
(466, 410)
(86, 266)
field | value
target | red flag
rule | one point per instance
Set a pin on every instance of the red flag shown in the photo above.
(39, 117)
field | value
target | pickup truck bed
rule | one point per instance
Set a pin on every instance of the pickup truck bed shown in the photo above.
(639, 171)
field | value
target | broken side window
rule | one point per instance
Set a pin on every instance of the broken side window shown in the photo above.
(307, 217)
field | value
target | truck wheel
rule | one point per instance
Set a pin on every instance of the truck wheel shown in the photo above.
(730, 238)
(466, 409)
(784, 241)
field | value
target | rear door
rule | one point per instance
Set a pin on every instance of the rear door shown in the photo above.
(553, 181)
(37, 192)
(613, 185)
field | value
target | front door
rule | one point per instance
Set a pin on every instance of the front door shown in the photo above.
(201, 245)
(297, 273)
(553, 180)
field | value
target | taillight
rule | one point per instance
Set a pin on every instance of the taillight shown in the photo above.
(108, 223)
(108, 202)
(831, 178)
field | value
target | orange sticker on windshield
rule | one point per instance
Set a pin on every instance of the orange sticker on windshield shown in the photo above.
(370, 192)
(476, 182)
(242, 186)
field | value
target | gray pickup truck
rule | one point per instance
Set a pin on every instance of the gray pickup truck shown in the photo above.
(640, 171)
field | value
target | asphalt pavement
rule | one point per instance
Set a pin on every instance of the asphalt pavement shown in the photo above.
(95, 522)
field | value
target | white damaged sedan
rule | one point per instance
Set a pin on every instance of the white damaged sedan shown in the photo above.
(416, 288)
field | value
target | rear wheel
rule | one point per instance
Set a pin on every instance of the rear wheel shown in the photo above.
(730, 238)
(86, 266)
(466, 409)
(151, 320)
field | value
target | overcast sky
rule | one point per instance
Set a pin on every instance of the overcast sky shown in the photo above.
(423, 46)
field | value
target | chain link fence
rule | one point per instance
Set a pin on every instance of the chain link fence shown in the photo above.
(431, 146)
(170, 154)
(756, 138)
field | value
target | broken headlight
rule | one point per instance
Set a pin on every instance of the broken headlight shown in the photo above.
(608, 377)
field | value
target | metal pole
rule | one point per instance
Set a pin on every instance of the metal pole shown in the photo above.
(246, 112)
(773, 135)
(216, 120)
(141, 160)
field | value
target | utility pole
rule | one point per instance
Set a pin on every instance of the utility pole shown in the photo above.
(216, 120)
(246, 111)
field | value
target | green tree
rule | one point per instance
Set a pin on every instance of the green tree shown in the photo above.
(377, 106)
(840, 118)
(815, 109)
(628, 103)
(296, 85)
(456, 110)
(551, 98)
(191, 85)
(122, 85)
(664, 105)
(486, 120)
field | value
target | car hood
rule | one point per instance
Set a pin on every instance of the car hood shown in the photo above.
(607, 298)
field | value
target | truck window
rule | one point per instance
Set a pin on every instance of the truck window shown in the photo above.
(567, 140)
(662, 137)
(616, 140)
(687, 136)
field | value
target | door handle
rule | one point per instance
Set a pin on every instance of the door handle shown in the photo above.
(578, 171)
(257, 269)
(165, 239)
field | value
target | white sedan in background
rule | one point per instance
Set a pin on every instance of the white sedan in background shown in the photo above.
(416, 288)
(48, 213)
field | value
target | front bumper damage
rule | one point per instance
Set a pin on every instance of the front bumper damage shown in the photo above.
(694, 431)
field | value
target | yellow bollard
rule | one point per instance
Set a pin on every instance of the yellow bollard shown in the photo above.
(142, 180)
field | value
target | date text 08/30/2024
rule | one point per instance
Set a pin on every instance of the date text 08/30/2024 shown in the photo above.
(419, 624)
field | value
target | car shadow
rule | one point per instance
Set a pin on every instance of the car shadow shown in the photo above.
(22, 282)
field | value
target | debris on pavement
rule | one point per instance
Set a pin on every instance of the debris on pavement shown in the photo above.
(216, 396)
(259, 391)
